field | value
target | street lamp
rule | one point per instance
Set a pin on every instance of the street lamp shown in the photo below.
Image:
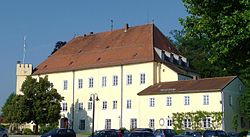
(93, 97)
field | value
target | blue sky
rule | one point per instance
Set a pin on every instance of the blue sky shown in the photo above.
(47, 21)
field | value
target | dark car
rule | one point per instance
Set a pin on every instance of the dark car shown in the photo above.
(106, 133)
(3, 132)
(191, 133)
(143, 129)
(215, 133)
(60, 132)
(164, 133)
(233, 134)
(141, 134)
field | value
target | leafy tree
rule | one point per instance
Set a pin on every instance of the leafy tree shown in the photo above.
(224, 28)
(59, 44)
(41, 100)
(6, 106)
(245, 104)
(13, 110)
(194, 50)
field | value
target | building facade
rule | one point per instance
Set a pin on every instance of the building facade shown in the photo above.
(119, 67)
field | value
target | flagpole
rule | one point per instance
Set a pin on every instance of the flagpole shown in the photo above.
(24, 48)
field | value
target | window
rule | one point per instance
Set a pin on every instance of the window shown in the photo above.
(89, 105)
(133, 123)
(186, 100)
(91, 82)
(104, 105)
(65, 85)
(79, 83)
(115, 80)
(205, 100)
(142, 78)
(128, 104)
(230, 100)
(80, 106)
(104, 81)
(115, 104)
(169, 122)
(82, 124)
(169, 101)
(151, 123)
(64, 106)
(207, 122)
(187, 123)
(129, 79)
(107, 123)
(151, 102)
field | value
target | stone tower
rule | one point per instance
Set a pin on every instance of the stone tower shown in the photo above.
(22, 71)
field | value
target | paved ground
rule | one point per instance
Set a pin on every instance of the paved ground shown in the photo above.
(38, 136)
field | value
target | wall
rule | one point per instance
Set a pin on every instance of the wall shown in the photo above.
(108, 93)
(161, 110)
(22, 71)
(234, 89)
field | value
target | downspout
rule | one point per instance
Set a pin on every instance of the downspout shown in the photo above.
(73, 104)
(121, 117)
(223, 108)
(159, 72)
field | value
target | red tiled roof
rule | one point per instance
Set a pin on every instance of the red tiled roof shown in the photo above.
(110, 48)
(187, 86)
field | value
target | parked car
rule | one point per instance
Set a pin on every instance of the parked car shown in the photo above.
(144, 129)
(233, 134)
(3, 132)
(217, 133)
(141, 134)
(106, 133)
(191, 133)
(164, 133)
(60, 132)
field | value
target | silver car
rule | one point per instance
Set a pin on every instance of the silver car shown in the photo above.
(3, 132)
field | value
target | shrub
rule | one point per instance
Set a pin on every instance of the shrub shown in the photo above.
(27, 131)
(45, 128)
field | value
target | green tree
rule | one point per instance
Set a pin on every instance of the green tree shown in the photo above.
(41, 100)
(13, 111)
(59, 44)
(196, 53)
(225, 28)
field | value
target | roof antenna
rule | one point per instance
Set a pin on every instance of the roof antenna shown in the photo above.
(153, 21)
(112, 25)
(24, 48)
(147, 17)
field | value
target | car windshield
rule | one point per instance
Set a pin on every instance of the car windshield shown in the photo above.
(52, 131)
(221, 133)
(188, 133)
(210, 133)
(141, 134)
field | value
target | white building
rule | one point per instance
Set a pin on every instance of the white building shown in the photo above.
(126, 69)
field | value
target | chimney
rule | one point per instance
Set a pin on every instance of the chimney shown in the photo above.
(126, 27)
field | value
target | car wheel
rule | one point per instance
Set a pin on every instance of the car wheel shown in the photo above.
(5, 136)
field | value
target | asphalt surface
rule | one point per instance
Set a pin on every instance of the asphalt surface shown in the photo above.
(39, 136)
